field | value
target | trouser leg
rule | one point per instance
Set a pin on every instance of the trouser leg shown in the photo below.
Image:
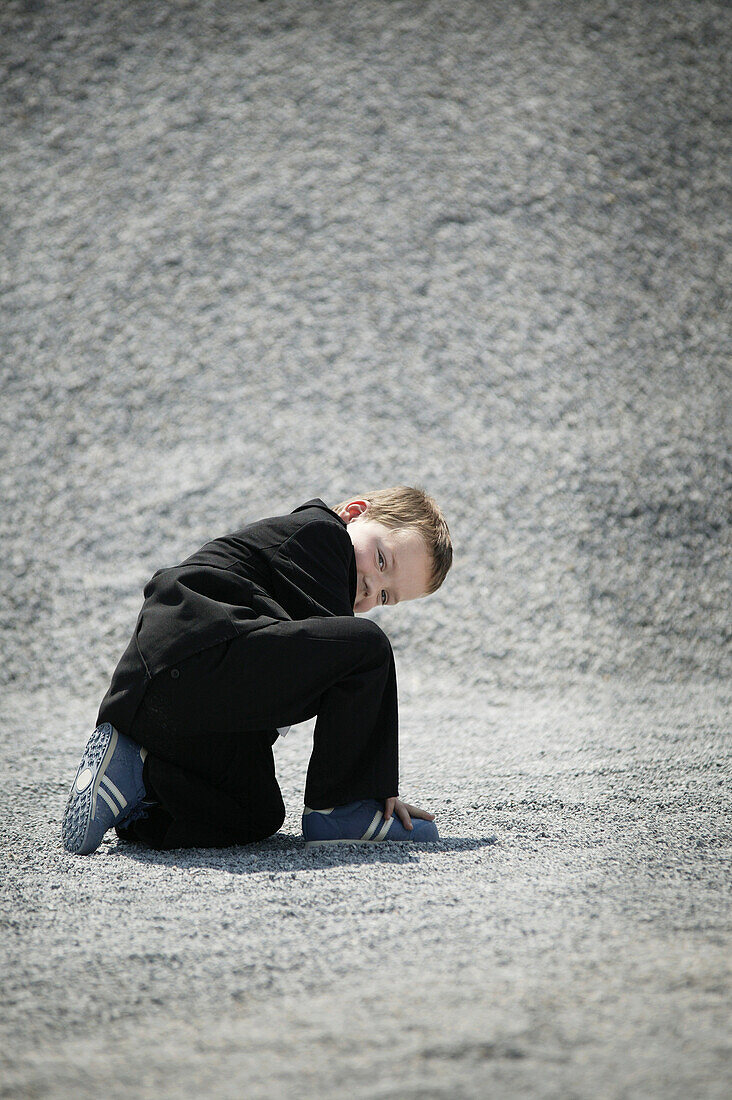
(224, 793)
(206, 716)
(195, 812)
(340, 668)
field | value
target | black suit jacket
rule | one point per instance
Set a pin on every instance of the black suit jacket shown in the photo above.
(286, 567)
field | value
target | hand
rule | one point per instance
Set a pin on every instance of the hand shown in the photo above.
(404, 811)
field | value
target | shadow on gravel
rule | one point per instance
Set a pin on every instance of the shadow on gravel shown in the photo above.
(286, 853)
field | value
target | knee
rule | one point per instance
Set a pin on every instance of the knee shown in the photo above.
(276, 818)
(374, 639)
(268, 822)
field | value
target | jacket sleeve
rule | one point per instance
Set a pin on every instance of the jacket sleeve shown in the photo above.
(314, 571)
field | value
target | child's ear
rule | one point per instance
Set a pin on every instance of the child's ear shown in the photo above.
(353, 509)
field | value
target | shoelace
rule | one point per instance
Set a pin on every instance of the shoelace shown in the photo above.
(141, 810)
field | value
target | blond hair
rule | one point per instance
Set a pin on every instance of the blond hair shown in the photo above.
(408, 506)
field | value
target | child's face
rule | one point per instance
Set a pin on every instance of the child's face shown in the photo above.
(393, 564)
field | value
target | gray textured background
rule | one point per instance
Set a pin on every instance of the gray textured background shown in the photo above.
(259, 252)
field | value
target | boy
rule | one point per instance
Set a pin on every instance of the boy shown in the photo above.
(253, 633)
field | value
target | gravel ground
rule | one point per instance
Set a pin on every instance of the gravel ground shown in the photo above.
(259, 252)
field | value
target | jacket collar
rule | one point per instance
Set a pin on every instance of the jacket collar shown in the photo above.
(316, 502)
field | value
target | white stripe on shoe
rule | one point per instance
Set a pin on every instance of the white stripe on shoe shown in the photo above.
(372, 827)
(114, 790)
(109, 753)
(110, 802)
(384, 829)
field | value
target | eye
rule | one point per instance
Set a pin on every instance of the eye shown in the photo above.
(383, 593)
(381, 558)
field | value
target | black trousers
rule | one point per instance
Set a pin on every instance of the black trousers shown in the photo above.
(209, 725)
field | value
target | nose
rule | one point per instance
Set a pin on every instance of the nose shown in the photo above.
(367, 594)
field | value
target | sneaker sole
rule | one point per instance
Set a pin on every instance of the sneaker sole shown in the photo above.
(386, 840)
(79, 813)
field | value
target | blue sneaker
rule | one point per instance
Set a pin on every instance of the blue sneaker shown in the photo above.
(107, 790)
(362, 822)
